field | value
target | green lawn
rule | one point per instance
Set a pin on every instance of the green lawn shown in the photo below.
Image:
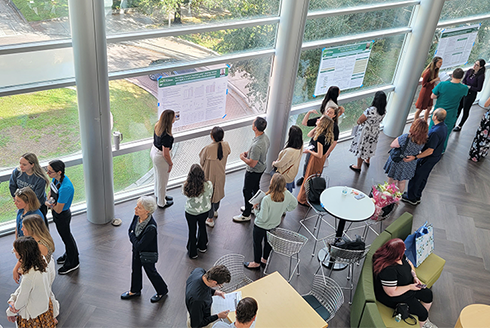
(40, 10)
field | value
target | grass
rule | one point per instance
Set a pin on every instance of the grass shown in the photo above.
(40, 10)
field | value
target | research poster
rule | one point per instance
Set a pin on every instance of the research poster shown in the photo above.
(455, 45)
(343, 66)
(195, 97)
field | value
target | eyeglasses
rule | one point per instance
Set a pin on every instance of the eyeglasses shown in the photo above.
(50, 172)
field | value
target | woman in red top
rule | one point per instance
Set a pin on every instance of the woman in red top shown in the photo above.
(429, 78)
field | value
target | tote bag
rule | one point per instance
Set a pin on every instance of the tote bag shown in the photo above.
(420, 244)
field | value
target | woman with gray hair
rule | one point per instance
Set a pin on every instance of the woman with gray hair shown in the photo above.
(143, 235)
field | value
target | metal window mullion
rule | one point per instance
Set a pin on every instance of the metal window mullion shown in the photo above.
(464, 20)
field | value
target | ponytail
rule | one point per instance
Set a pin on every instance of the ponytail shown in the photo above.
(220, 151)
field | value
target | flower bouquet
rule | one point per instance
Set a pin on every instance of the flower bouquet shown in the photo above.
(384, 197)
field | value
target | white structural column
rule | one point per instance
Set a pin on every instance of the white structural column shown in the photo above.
(485, 92)
(87, 23)
(285, 67)
(411, 65)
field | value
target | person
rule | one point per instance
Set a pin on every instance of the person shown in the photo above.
(62, 191)
(287, 162)
(449, 95)
(277, 201)
(30, 305)
(395, 281)
(198, 191)
(427, 159)
(474, 79)
(199, 295)
(400, 172)
(481, 142)
(429, 78)
(142, 234)
(363, 145)
(322, 137)
(246, 313)
(27, 203)
(30, 174)
(255, 158)
(161, 157)
(213, 160)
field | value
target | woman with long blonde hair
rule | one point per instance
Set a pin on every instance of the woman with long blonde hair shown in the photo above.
(27, 203)
(429, 78)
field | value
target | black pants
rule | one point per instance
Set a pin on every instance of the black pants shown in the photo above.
(137, 276)
(414, 305)
(44, 211)
(201, 241)
(417, 184)
(62, 221)
(466, 104)
(214, 208)
(251, 185)
(260, 235)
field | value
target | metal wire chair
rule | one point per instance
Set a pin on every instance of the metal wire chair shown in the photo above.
(328, 293)
(287, 243)
(371, 223)
(234, 263)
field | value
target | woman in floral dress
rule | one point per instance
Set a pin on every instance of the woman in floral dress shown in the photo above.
(481, 143)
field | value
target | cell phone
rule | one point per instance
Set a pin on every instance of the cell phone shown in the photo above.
(421, 285)
(360, 196)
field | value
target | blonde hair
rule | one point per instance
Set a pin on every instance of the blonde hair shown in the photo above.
(35, 226)
(29, 197)
(277, 188)
(37, 169)
(324, 127)
(164, 124)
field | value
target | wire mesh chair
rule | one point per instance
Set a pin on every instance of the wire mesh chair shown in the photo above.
(234, 263)
(343, 256)
(382, 216)
(287, 243)
(325, 297)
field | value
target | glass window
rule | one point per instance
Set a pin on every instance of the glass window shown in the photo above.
(331, 4)
(7, 206)
(462, 8)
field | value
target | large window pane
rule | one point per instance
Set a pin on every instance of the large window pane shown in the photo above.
(463, 8)
(7, 206)
(330, 4)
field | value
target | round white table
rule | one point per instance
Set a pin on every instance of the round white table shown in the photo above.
(345, 208)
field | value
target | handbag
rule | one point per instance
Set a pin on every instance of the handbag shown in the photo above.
(402, 312)
(317, 186)
(354, 130)
(420, 244)
(149, 257)
(398, 154)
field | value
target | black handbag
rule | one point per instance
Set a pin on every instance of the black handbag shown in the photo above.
(149, 257)
(402, 311)
(398, 154)
(317, 186)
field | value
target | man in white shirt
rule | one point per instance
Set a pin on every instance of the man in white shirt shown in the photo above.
(246, 312)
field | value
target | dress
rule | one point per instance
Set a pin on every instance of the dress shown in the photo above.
(481, 142)
(403, 170)
(366, 138)
(214, 169)
(424, 100)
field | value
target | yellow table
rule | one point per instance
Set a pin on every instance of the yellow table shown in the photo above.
(474, 316)
(280, 305)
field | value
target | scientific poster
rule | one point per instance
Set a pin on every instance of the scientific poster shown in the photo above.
(343, 66)
(455, 45)
(195, 97)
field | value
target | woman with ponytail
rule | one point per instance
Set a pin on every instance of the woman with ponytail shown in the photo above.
(62, 192)
(213, 159)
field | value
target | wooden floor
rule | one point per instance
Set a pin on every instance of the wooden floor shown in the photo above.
(456, 201)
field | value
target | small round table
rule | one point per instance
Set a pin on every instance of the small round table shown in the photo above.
(474, 316)
(345, 208)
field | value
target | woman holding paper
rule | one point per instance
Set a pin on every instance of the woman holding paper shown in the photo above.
(277, 201)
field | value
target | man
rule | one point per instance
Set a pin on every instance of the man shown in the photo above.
(255, 158)
(449, 95)
(199, 295)
(430, 155)
(246, 312)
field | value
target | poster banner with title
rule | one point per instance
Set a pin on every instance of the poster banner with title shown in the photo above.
(455, 45)
(195, 97)
(343, 66)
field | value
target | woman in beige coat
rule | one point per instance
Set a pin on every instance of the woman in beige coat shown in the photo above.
(288, 161)
(213, 161)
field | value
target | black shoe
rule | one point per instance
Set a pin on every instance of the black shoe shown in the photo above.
(168, 203)
(262, 264)
(457, 129)
(299, 182)
(202, 250)
(411, 202)
(65, 270)
(127, 295)
(354, 169)
(61, 259)
(169, 198)
(155, 298)
(246, 264)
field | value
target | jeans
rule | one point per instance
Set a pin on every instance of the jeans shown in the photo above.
(251, 185)
(62, 221)
(214, 208)
(201, 241)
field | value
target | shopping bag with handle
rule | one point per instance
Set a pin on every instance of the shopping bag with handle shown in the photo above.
(420, 244)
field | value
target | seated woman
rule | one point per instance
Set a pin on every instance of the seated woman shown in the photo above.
(395, 281)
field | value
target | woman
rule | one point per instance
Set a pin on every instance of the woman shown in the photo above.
(481, 142)
(429, 78)
(27, 203)
(62, 191)
(30, 174)
(213, 159)
(198, 192)
(474, 79)
(160, 155)
(322, 138)
(415, 140)
(287, 163)
(395, 281)
(30, 305)
(364, 143)
(143, 235)
(277, 201)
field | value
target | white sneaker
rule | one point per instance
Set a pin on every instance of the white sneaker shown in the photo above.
(216, 214)
(241, 218)
(210, 224)
(429, 324)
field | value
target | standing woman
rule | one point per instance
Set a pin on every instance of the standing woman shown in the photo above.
(143, 235)
(27, 203)
(429, 78)
(30, 305)
(481, 142)
(62, 192)
(213, 159)
(474, 79)
(289, 158)
(198, 192)
(30, 174)
(364, 143)
(160, 155)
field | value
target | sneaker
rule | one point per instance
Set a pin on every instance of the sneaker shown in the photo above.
(61, 259)
(429, 324)
(216, 213)
(193, 257)
(411, 202)
(242, 209)
(241, 218)
(210, 223)
(202, 250)
(65, 270)
(457, 129)
(299, 182)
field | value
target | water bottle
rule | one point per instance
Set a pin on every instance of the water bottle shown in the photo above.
(344, 191)
(398, 317)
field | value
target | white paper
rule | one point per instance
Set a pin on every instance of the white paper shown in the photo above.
(455, 45)
(228, 303)
(257, 198)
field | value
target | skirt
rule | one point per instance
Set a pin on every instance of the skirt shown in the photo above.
(45, 320)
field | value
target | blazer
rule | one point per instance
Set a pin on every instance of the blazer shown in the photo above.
(147, 240)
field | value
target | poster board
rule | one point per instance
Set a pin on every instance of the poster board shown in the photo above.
(343, 66)
(455, 45)
(195, 97)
